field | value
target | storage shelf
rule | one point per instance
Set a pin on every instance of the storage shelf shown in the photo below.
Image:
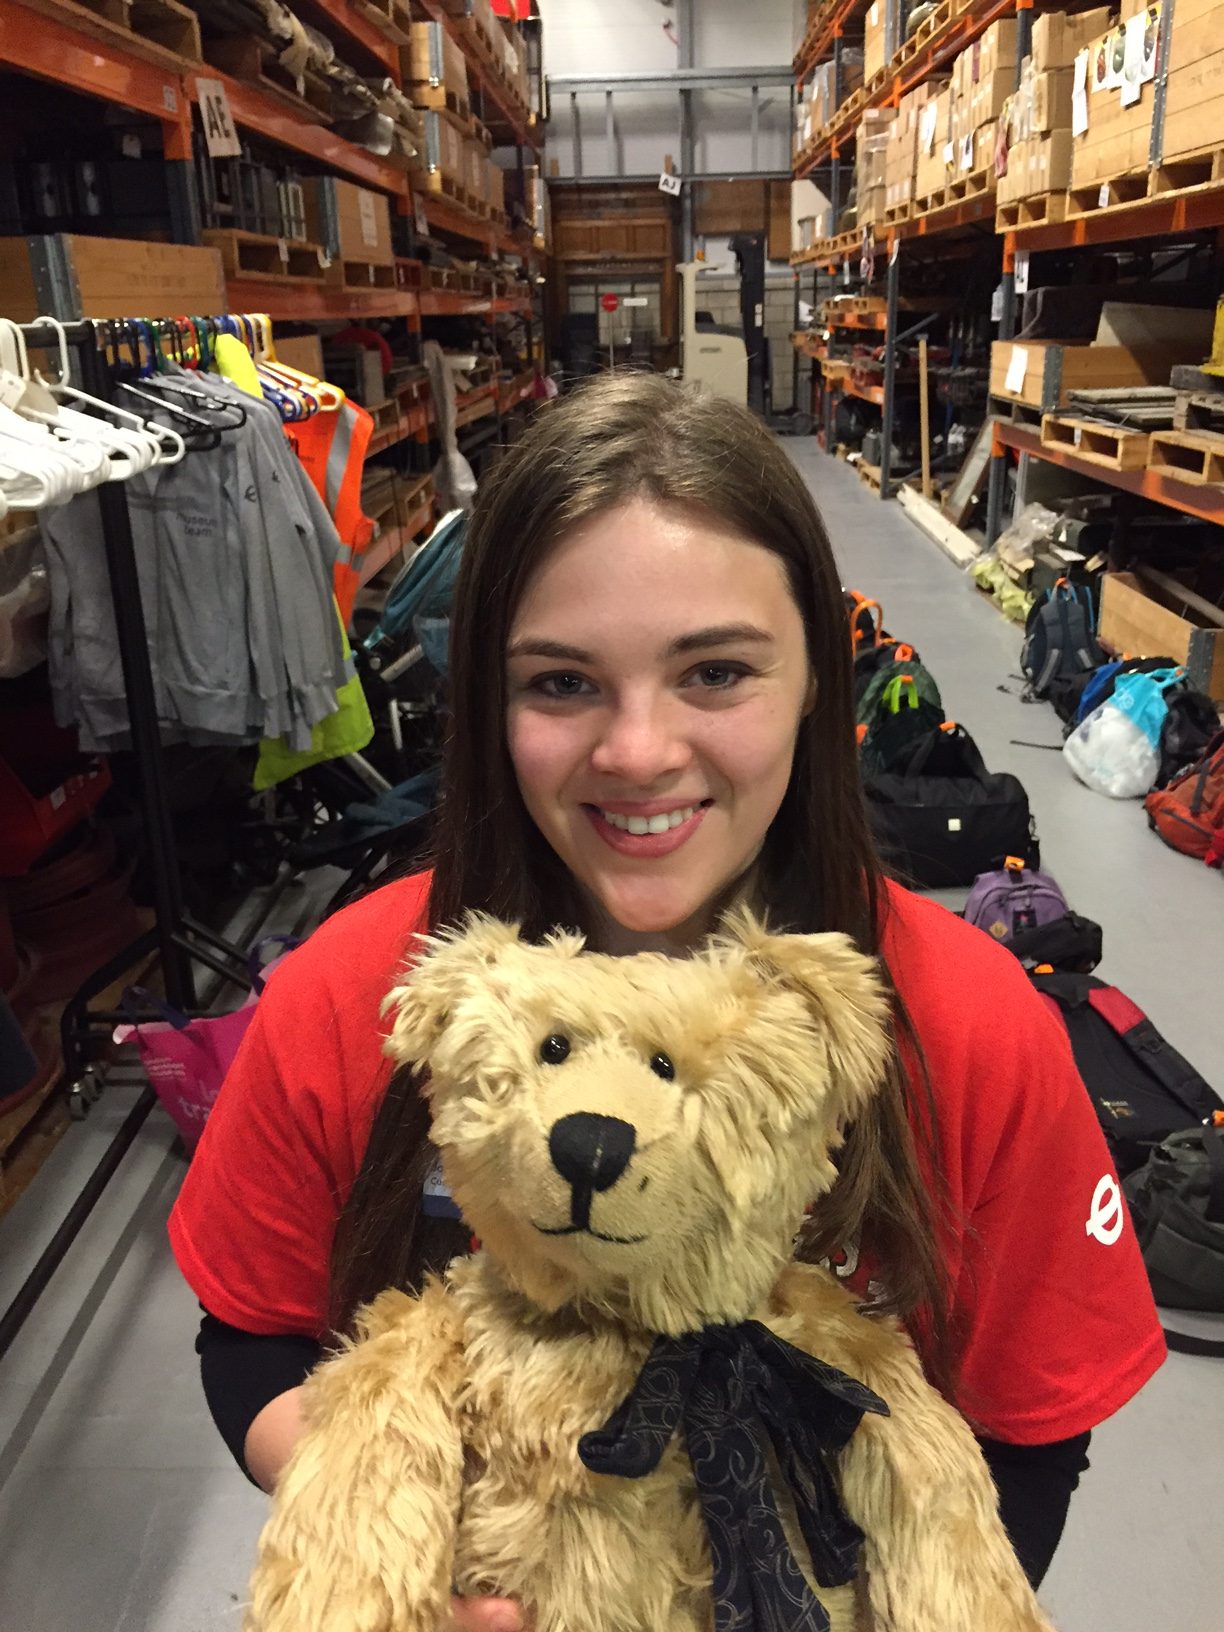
(1205, 503)
(255, 111)
(453, 303)
(396, 539)
(298, 302)
(444, 216)
(829, 21)
(1194, 209)
(865, 393)
(47, 48)
(512, 124)
(960, 31)
(342, 15)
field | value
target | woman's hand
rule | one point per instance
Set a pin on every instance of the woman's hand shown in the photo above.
(486, 1615)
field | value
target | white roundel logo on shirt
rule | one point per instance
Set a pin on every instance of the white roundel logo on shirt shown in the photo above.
(1106, 1216)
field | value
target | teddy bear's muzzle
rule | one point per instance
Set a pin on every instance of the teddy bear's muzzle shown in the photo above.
(590, 1153)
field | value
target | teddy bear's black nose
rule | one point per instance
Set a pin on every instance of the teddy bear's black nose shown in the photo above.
(591, 1152)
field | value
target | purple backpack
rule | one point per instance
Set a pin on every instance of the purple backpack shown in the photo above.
(1014, 898)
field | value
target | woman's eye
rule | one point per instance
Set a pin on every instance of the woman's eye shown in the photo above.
(561, 685)
(718, 676)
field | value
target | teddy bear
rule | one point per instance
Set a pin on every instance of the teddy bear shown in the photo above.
(631, 1409)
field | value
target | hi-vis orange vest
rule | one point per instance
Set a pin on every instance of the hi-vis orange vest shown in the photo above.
(332, 447)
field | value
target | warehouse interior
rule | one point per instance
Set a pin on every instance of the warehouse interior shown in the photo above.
(330, 263)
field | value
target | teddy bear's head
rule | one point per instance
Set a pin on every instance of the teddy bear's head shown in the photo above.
(640, 1135)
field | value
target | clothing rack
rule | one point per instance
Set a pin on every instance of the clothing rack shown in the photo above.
(179, 940)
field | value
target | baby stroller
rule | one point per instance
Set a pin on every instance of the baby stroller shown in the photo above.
(373, 810)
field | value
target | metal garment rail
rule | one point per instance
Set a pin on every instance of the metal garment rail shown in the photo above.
(177, 938)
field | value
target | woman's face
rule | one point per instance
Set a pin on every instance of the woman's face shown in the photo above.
(656, 675)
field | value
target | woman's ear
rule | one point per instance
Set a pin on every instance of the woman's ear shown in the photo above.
(451, 965)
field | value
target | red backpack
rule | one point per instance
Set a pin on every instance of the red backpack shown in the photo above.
(1189, 813)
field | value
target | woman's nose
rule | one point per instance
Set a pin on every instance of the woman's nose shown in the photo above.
(641, 742)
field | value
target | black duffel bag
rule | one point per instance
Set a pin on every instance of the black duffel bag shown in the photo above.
(941, 817)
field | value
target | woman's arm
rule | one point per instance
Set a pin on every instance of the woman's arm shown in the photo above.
(251, 1384)
(1035, 1485)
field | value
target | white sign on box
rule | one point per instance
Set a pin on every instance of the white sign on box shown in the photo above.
(1017, 367)
(1079, 96)
(220, 137)
(369, 221)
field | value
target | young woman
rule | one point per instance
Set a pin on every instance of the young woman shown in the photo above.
(651, 694)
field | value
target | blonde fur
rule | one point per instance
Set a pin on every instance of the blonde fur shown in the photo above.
(441, 1443)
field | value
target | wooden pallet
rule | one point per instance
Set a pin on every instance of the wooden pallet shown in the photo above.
(1129, 188)
(977, 184)
(869, 475)
(1196, 457)
(1031, 212)
(1199, 410)
(1187, 171)
(158, 31)
(392, 18)
(253, 61)
(255, 256)
(923, 35)
(357, 274)
(1111, 446)
(896, 215)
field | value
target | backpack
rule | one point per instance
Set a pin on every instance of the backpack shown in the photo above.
(1067, 692)
(1177, 1204)
(901, 704)
(866, 620)
(1059, 637)
(869, 660)
(1189, 813)
(1190, 723)
(940, 818)
(1070, 943)
(1013, 899)
(1140, 1086)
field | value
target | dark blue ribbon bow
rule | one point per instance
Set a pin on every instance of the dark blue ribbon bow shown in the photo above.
(736, 1390)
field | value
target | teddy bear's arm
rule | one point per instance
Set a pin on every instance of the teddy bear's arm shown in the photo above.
(361, 1534)
(938, 1558)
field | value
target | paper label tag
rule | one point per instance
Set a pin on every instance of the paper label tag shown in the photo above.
(169, 99)
(669, 183)
(282, 249)
(1016, 369)
(422, 220)
(324, 259)
(436, 1199)
(130, 145)
(966, 157)
(1022, 271)
(996, 304)
(368, 219)
(1103, 195)
(894, 250)
(220, 137)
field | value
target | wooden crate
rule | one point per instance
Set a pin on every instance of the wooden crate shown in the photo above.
(1052, 368)
(1194, 96)
(69, 276)
(1144, 620)
(163, 32)
(1111, 446)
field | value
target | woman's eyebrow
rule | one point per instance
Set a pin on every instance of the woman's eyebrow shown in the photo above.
(699, 640)
(719, 634)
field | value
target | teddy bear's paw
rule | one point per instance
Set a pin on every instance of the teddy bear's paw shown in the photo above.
(298, 1602)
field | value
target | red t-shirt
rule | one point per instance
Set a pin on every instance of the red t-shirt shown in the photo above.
(1059, 1328)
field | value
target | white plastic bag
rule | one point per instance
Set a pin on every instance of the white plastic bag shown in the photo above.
(1112, 754)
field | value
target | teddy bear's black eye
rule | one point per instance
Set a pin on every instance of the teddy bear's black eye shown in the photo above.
(662, 1066)
(554, 1049)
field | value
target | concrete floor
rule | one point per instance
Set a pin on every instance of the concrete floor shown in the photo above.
(119, 1508)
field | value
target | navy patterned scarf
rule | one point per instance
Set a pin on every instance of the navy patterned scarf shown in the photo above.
(735, 1390)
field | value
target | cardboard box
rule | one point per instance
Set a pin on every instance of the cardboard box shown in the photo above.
(496, 178)
(873, 39)
(934, 128)
(303, 351)
(1047, 370)
(871, 206)
(1135, 620)
(109, 277)
(1058, 36)
(989, 95)
(1038, 164)
(475, 163)
(1118, 139)
(433, 58)
(995, 50)
(1194, 97)
(350, 222)
(445, 143)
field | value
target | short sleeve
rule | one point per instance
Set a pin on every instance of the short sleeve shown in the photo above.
(253, 1224)
(1053, 1303)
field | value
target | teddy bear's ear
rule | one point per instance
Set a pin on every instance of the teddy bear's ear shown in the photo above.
(447, 968)
(842, 987)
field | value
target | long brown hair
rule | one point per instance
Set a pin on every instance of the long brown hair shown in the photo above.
(622, 436)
